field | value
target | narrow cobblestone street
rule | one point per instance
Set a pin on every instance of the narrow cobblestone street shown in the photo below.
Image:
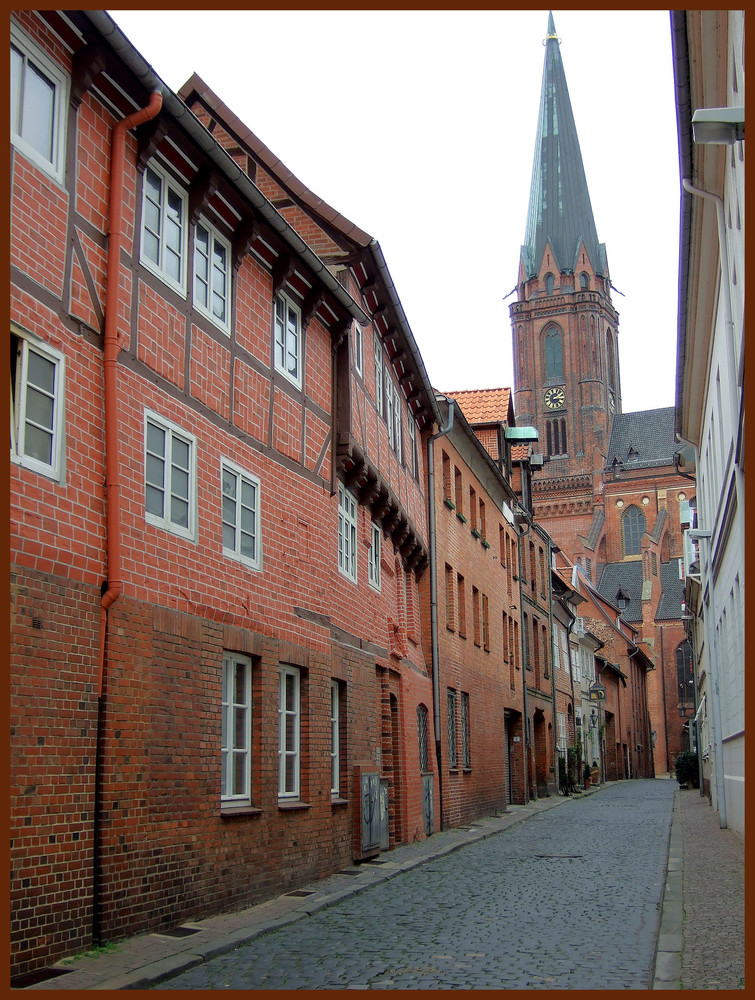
(569, 900)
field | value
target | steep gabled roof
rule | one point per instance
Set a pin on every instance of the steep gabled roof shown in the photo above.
(485, 406)
(625, 577)
(560, 213)
(642, 440)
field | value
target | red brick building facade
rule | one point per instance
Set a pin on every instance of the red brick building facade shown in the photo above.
(218, 517)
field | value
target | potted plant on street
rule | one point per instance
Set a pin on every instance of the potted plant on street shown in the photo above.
(587, 774)
(686, 768)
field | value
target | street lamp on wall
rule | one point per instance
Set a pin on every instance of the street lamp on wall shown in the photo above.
(593, 719)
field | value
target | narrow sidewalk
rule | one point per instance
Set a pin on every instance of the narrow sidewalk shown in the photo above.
(701, 939)
(140, 962)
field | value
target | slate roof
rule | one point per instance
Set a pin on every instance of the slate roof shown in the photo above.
(560, 213)
(642, 440)
(628, 577)
(484, 406)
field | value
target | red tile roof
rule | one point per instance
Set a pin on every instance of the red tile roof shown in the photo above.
(484, 406)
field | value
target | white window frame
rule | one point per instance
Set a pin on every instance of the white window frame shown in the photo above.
(172, 433)
(347, 533)
(54, 165)
(358, 347)
(242, 478)
(214, 241)
(389, 401)
(373, 557)
(379, 401)
(561, 722)
(397, 413)
(413, 452)
(335, 738)
(19, 397)
(157, 267)
(287, 342)
(236, 715)
(289, 751)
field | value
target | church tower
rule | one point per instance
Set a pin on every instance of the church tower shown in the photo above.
(564, 325)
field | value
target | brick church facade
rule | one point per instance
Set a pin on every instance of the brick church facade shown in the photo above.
(608, 492)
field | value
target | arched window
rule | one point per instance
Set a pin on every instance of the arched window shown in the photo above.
(424, 757)
(632, 530)
(685, 676)
(549, 284)
(610, 360)
(554, 355)
(584, 281)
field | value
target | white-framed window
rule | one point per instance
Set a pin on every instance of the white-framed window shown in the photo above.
(164, 230)
(36, 406)
(561, 722)
(356, 332)
(413, 452)
(347, 533)
(335, 738)
(452, 758)
(289, 729)
(240, 515)
(389, 401)
(38, 105)
(379, 402)
(287, 321)
(169, 475)
(212, 275)
(373, 560)
(397, 408)
(466, 751)
(236, 752)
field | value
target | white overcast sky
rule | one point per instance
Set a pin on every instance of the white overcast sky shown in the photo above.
(419, 126)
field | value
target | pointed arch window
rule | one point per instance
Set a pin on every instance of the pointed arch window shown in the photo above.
(554, 354)
(549, 279)
(610, 360)
(584, 281)
(632, 530)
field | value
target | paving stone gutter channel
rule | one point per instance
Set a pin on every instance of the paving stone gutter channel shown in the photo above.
(143, 961)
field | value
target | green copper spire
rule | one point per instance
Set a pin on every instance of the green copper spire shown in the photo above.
(559, 211)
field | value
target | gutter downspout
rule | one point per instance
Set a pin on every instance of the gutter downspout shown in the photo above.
(434, 593)
(113, 586)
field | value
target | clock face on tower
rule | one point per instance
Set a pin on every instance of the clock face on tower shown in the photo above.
(554, 397)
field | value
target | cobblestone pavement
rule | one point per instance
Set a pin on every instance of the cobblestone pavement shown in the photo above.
(568, 900)
(713, 956)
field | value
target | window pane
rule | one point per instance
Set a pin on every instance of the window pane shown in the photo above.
(155, 439)
(37, 115)
(39, 408)
(155, 470)
(179, 512)
(154, 499)
(229, 483)
(290, 777)
(38, 444)
(41, 372)
(248, 546)
(290, 732)
(239, 692)
(239, 735)
(180, 454)
(223, 771)
(239, 775)
(229, 537)
(290, 682)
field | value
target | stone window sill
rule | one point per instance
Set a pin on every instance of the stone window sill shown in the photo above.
(226, 812)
